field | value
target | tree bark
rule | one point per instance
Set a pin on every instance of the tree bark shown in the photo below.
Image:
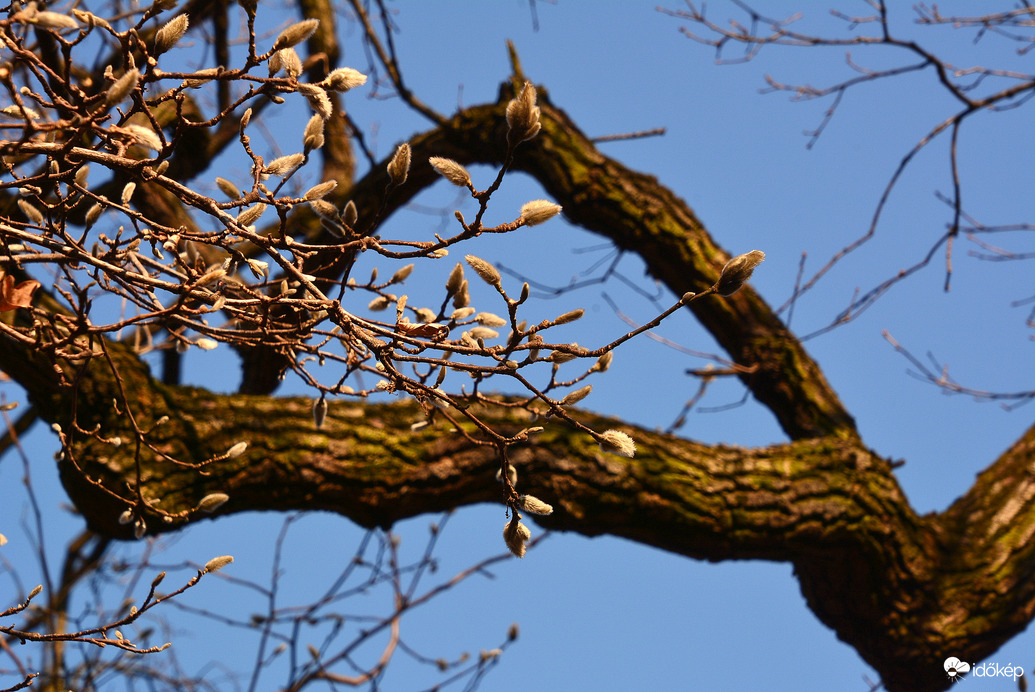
(906, 591)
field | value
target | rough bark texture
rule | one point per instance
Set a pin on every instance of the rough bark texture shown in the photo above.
(904, 590)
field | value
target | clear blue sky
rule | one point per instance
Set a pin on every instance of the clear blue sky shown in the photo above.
(606, 614)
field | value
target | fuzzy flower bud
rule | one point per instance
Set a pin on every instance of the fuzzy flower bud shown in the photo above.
(55, 20)
(737, 271)
(539, 210)
(533, 504)
(320, 191)
(401, 273)
(290, 62)
(228, 188)
(617, 442)
(350, 215)
(218, 563)
(515, 535)
(324, 208)
(488, 319)
(213, 501)
(344, 78)
(575, 397)
(251, 214)
(284, 164)
(127, 193)
(451, 171)
(523, 116)
(31, 213)
(313, 137)
(296, 33)
(484, 269)
(569, 316)
(170, 34)
(122, 86)
(399, 166)
(237, 450)
(144, 136)
(456, 277)
(318, 100)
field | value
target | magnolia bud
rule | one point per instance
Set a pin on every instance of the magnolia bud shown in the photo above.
(170, 34)
(737, 271)
(451, 171)
(399, 166)
(523, 116)
(539, 210)
(483, 269)
(296, 33)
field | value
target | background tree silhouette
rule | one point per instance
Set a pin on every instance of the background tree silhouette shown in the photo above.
(116, 139)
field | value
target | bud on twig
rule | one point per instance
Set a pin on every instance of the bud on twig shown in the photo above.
(228, 188)
(31, 212)
(617, 442)
(283, 165)
(213, 501)
(401, 273)
(251, 214)
(350, 215)
(483, 269)
(313, 137)
(399, 166)
(296, 33)
(237, 450)
(451, 171)
(324, 208)
(122, 86)
(320, 191)
(575, 397)
(290, 62)
(145, 136)
(570, 316)
(515, 534)
(539, 210)
(737, 271)
(170, 34)
(344, 78)
(533, 504)
(55, 20)
(218, 563)
(523, 116)
(488, 319)
(319, 412)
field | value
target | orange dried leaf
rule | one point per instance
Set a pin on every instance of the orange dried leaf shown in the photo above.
(14, 295)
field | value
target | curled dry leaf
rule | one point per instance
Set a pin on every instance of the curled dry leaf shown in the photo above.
(426, 331)
(16, 295)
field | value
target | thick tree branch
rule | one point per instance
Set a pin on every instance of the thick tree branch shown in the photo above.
(900, 588)
(904, 590)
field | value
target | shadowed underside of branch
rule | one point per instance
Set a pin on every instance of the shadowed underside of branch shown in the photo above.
(905, 591)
